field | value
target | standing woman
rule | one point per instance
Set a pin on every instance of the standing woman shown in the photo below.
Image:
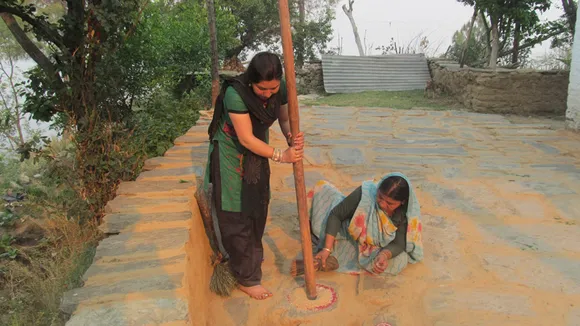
(238, 166)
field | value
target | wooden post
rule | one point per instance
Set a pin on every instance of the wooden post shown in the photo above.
(298, 167)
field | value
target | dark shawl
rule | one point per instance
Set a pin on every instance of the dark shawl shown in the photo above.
(256, 169)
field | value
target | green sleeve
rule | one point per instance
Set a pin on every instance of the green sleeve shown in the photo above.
(398, 245)
(233, 102)
(343, 211)
(283, 92)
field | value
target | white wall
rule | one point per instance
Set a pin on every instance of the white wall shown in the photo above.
(573, 111)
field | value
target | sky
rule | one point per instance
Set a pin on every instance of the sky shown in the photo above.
(405, 19)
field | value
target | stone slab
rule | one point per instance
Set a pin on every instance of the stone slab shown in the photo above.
(536, 237)
(568, 268)
(438, 131)
(123, 204)
(117, 222)
(418, 160)
(316, 156)
(191, 140)
(531, 272)
(145, 244)
(434, 141)
(154, 311)
(198, 154)
(347, 156)
(310, 179)
(155, 188)
(188, 174)
(440, 151)
(167, 163)
(130, 267)
(449, 300)
(545, 148)
(549, 188)
(337, 142)
(72, 298)
(574, 317)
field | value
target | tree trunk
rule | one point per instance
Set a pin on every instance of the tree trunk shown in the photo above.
(215, 79)
(494, 43)
(570, 10)
(516, 49)
(466, 45)
(348, 12)
(299, 43)
(33, 51)
(487, 37)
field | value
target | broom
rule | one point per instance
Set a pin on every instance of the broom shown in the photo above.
(222, 280)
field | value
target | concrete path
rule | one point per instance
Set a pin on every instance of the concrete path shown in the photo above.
(500, 207)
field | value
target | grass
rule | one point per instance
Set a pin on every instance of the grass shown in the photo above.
(32, 285)
(403, 100)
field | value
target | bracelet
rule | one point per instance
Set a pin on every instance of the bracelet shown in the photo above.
(329, 250)
(277, 155)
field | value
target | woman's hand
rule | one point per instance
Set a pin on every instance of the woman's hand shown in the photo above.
(322, 255)
(292, 155)
(381, 262)
(296, 142)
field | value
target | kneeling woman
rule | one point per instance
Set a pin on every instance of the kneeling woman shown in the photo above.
(376, 228)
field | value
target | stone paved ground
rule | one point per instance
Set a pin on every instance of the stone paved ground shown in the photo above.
(500, 208)
(501, 228)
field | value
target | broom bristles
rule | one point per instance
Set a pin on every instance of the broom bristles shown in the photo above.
(222, 280)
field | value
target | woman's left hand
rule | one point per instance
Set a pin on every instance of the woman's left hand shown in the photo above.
(381, 262)
(298, 141)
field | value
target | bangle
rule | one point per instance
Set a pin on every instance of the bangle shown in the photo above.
(329, 250)
(277, 155)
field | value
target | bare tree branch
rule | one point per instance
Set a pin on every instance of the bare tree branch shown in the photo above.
(348, 12)
(41, 27)
(28, 46)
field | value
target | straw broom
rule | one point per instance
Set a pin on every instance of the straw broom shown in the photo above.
(222, 280)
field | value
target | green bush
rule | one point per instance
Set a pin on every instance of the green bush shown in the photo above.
(162, 118)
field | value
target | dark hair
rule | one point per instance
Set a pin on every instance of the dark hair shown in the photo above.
(265, 66)
(395, 187)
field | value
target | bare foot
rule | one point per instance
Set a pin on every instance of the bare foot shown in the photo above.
(257, 292)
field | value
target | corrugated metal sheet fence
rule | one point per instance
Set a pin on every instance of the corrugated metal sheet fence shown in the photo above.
(351, 74)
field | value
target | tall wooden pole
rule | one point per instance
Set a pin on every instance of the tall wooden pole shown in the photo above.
(298, 167)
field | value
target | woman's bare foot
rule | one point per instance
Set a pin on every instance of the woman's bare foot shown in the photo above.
(257, 292)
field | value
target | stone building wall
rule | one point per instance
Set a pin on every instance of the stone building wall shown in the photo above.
(507, 91)
(309, 78)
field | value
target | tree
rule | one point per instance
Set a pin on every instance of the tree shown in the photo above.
(11, 116)
(468, 38)
(258, 25)
(215, 87)
(514, 20)
(471, 50)
(348, 12)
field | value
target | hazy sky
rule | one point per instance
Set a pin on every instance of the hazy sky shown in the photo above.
(405, 19)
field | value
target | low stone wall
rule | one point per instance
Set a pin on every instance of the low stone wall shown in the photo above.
(153, 268)
(309, 79)
(507, 91)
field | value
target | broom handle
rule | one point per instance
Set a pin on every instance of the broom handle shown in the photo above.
(298, 167)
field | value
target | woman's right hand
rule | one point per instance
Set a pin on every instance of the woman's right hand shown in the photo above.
(292, 155)
(322, 255)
